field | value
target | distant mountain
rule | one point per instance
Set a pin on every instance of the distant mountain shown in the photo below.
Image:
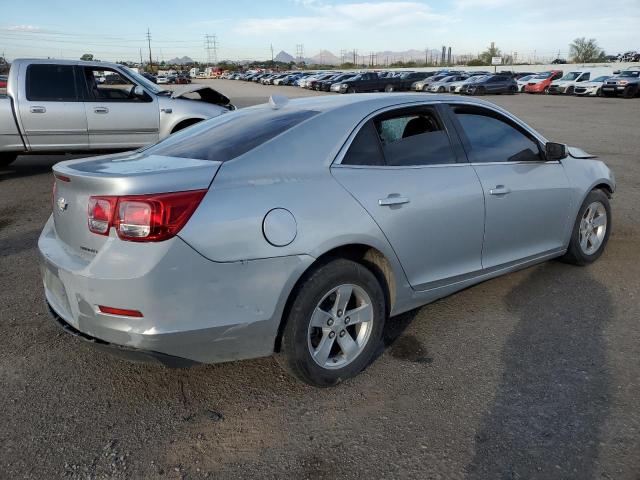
(180, 61)
(324, 57)
(284, 57)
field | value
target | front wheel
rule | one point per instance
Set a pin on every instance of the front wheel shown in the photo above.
(591, 230)
(513, 90)
(388, 88)
(351, 90)
(334, 325)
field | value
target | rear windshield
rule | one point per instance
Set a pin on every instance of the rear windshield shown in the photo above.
(230, 135)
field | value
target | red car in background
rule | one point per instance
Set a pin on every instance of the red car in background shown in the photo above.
(540, 83)
(3, 81)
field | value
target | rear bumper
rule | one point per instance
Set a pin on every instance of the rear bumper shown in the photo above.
(192, 307)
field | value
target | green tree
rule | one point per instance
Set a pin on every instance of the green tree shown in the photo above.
(489, 53)
(87, 57)
(582, 50)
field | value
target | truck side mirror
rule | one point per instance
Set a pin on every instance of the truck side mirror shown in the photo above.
(138, 91)
(555, 151)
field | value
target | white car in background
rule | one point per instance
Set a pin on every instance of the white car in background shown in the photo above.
(454, 87)
(569, 81)
(522, 81)
(592, 88)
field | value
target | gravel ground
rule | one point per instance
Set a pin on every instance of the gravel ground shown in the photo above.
(531, 375)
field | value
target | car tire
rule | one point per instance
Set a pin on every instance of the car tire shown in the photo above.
(583, 248)
(389, 88)
(7, 159)
(569, 91)
(599, 92)
(351, 90)
(481, 91)
(512, 90)
(630, 91)
(546, 91)
(312, 339)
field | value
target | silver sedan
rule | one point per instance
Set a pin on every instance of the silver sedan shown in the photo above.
(299, 228)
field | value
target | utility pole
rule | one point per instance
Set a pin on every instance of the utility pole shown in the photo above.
(149, 42)
(426, 55)
(141, 57)
(300, 52)
(211, 45)
(449, 56)
(271, 47)
(355, 56)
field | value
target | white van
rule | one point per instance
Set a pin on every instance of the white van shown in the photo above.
(568, 82)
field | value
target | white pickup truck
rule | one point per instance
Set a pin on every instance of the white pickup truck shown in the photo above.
(60, 106)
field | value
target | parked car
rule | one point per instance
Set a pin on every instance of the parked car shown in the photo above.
(570, 80)
(195, 249)
(423, 85)
(182, 79)
(626, 83)
(3, 81)
(364, 82)
(457, 87)
(56, 106)
(160, 80)
(541, 82)
(325, 85)
(442, 86)
(148, 76)
(592, 88)
(523, 81)
(492, 84)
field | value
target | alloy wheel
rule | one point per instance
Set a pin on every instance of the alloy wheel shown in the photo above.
(593, 227)
(340, 326)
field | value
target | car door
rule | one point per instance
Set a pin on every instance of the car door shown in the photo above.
(116, 117)
(527, 198)
(410, 175)
(51, 112)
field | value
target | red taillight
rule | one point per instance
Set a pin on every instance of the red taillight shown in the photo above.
(119, 311)
(143, 218)
(101, 210)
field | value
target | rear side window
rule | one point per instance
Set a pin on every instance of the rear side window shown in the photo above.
(230, 135)
(54, 83)
(493, 139)
(407, 138)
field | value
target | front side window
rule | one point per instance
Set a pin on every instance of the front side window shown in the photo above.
(55, 83)
(491, 138)
(408, 138)
(109, 85)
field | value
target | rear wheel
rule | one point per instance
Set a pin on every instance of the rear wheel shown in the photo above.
(546, 90)
(591, 230)
(512, 90)
(389, 88)
(569, 91)
(440, 89)
(334, 325)
(7, 159)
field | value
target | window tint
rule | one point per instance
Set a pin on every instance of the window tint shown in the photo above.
(51, 82)
(406, 139)
(229, 135)
(365, 148)
(493, 140)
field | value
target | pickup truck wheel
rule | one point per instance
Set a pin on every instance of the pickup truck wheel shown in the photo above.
(7, 159)
(590, 231)
(388, 88)
(334, 325)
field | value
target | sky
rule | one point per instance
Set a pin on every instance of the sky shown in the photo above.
(116, 30)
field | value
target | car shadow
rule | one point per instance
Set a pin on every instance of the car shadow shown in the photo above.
(30, 165)
(553, 398)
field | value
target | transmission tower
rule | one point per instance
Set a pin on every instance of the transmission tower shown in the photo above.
(300, 52)
(149, 42)
(211, 46)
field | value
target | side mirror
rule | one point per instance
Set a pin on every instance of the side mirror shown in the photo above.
(138, 91)
(555, 151)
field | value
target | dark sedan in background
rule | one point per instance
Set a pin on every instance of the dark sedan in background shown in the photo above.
(493, 84)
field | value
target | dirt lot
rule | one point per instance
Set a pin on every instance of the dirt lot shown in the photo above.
(532, 375)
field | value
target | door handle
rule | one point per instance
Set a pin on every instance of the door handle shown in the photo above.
(499, 190)
(389, 201)
(37, 110)
(100, 110)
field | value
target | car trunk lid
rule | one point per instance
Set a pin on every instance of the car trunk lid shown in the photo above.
(116, 175)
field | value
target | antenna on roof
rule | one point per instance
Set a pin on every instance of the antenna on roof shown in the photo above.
(278, 101)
